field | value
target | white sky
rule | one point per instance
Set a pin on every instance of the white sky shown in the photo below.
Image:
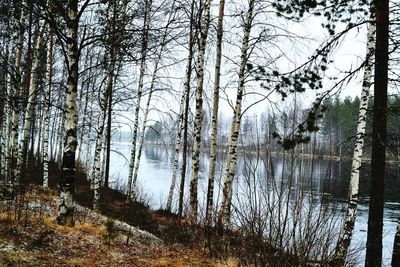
(349, 55)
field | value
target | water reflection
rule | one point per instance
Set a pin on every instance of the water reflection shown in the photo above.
(322, 179)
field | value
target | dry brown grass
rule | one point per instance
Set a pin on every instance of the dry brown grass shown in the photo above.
(37, 240)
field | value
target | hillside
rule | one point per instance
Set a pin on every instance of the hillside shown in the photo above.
(29, 236)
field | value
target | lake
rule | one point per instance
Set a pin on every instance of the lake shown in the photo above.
(328, 179)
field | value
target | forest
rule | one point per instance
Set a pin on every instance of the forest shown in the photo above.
(199, 133)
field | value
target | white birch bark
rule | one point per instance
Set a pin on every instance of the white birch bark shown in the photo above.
(347, 231)
(151, 91)
(177, 154)
(88, 144)
(197, 122)
(85, 113)
(60, 138)
(225, 210)
(6, 121)
(23, 145)
(214, 118)
(396, 247)
(65, 215)
(46, 117)
(5, 135)
(131, 185)
(16, 94)
(104, 158)
(4, 140)
(96, 172)
(186, 86)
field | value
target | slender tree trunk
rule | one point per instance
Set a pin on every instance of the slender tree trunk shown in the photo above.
(85, 85)
(29, 112)
(67, 181)
(197, 121)
(6, 121)
(186, 113)
(145, 32)
(52, 136)
(108, 134)
(214, 118)
(347, 232)
(96, 173)
(151, 91)
(176, 155)
(113, 56)
(40, 134)
(104, 158)
(225, 210)
(88, 143)
(58, 115)
(378, 154)
(60, 138)
(46, 117)
(16, 93)
(396, 247)
(33, 131)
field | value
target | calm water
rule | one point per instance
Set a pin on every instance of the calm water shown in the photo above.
(328, 178)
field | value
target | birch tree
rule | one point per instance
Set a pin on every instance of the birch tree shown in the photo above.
(396, 246)
(105, 101)
(46, 112)
(67, 182)
(225, 210)
(186, 88)
(5, 157)
(156, 68)
(347, 231)
(16, 92)
(144, 50)
(29, 112)
(176, 153)
(197, 120)
(116, 42)
(96, 173)
(214, 118)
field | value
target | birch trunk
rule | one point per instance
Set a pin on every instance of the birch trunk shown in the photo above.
(67, 181)
(103, 165)
(186, 113)
(96, 173)
(6, 122)
(60, 137)
(225, 210)
(131, 185)
(197, 122)
(151, 91)
(214, 118)
(29, 112)
(396, 247)
(113, 51)
(16, 94)
(5, 135)
(108, 133)
(176, 155)
(4, 140)
(46, 117)
(88, 144)
(347, 232)
(85, 113)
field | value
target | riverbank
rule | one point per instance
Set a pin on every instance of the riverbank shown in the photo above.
(124, 235)
(135, 235)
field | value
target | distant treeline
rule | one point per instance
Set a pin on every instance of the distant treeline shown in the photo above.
(339, 123)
